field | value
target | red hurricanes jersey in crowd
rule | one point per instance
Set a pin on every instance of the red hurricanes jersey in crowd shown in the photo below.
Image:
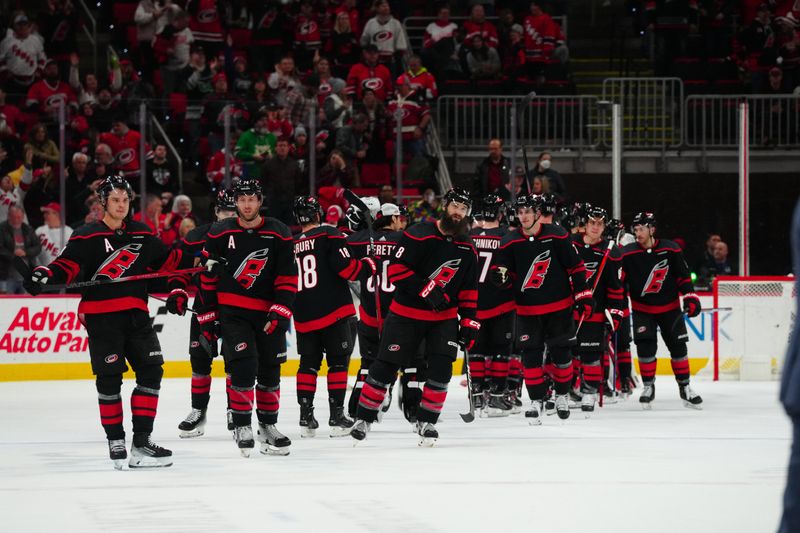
(545, 268)
(377, 78)
(205, 21)
(45, 98)
(492, 301)
(542, 34)
(385, 243)
(608, 292)
(215, 170)
(412, 113)
(655, 276)
(423, 83)
(307, 32)
(484, 29)
(126, 150)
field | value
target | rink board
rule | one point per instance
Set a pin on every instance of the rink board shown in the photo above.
(42, 339)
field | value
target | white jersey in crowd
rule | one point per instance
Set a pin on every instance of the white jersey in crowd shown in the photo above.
(388, 37)
(51, 243)
(22, 57)
(15, 196)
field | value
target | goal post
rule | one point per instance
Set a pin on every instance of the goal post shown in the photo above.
(751, 331)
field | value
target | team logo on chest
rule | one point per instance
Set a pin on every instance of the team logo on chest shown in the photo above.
(591, 268)
(251, 268)
(534, 279)
(445, 272)
(119, 261)
(656, 278)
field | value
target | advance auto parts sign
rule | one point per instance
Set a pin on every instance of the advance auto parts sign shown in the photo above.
(41, 330)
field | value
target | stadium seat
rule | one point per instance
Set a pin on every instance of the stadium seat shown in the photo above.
(375, 174)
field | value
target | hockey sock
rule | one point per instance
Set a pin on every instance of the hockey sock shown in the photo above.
(372, 395)
(514, 380)
(499, 373)
(363, 372)
(560, 368)
(680, 367)
(144, 403)
(477, 370)
(624, 364)
(110, 401)
(337, 384)
(576, 372)
(647, 368)
(201, 391)
(534, 382)
(268, 399)
(241, 399)
(592, 375)
(306, 384)
(433, 396)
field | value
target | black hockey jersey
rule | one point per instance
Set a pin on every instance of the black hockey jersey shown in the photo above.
(259, 267)
(324, 265)
(545, 268)
(191, 247)
(608, 292)
(385, 243)
(424, 254)
(655, 276)
(492, 301)
(98, 252)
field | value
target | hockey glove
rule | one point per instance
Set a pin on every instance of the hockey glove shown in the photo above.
(435, 296)
(468, 333)
(209, 326)
(39, 278)
(177, 302)
(584, 303)
(616, 319)
(370, 265)
(214, 264)
(278, 317)
(499, 277)
(691, 305)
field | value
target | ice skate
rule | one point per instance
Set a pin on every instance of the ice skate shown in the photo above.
(550, 405)
(511, 397)
(243, 436)
(534, 414)
(359, 430)
(194, 425)
(497, 407)
(562, 406)
(339, 424)
(308, 424)
(229, 418)
(386, 404)
(647, 396)
(626, 387)
(427, 434)
(587, 404)
(609, 394)
(146, 454)
(273, 442)
(117, 452)
(690, 398)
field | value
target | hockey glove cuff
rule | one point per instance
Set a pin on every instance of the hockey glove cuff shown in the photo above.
(616, 318)
(278, 317)
(177, 302)
(584, 303)
(468, 333)
(691, 304)
(435, 296)
(213, 263)
(39, 278)
(370, 265)
(499, 277)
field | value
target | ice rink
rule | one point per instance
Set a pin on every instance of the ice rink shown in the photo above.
(624, 470)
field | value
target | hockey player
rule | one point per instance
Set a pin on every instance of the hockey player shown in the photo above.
(615, 230)
(607, 294)
(248, 294)
(434, 270)
(656, 274)
(495, 313)
(202, 350)
(548, 279)
(116, 317)
(324, 313)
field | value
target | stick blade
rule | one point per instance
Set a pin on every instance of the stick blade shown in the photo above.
(467, 417)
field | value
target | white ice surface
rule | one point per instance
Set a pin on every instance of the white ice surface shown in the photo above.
(670, 469)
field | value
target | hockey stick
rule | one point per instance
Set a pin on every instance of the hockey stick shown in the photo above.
(468, 417)
(154, 297)
(354, 199)
(137, 277)
(597, 276)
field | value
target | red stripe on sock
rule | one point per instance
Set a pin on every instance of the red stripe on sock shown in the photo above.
(533, 376)
(647, 368)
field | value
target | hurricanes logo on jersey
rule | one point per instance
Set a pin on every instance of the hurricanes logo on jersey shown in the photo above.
(251, 267)
(534, 279)
(118, 262)
(656, 278)
(591, 269)
(445, 272)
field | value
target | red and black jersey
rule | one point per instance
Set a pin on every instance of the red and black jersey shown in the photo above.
(608, 293)
(655, 276)
(385, 244)
(191, 248)
(545, 268)
(377, 78)
(324, 265)
(259, 266)
(424, 254)
(97, 252)
(492, 301)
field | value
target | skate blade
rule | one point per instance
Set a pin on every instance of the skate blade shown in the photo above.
(647, 406)
(516, 410)
(534, 421)
(427, 442)
(563, 416)
(497, 413)
(191, 434)
(266, 449)
(338, 431)
(118, 464)
(690, 405)
(307, 433)
(245, 452)
(150, 462)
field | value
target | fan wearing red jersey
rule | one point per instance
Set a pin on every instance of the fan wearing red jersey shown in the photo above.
(656, 274)
(435, 273)
(324, 314)
(248, 295)
(116, 317)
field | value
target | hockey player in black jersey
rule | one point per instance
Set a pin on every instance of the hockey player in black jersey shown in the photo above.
(248, 293)
(324, 313)
(592, 337)
(495, 313)
(656, 275)
(116, 317)
(434, 270)
(548, 280)
(615, 231)
(202, 350)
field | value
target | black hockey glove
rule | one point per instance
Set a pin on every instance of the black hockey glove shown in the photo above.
(177, 302)
(616, 318)
(584, 303)
(39, 278)
(278, 317)
(214, 264)
(499, 277)
(209, 326)
(691, 304)
(435, 296)
(468, 333)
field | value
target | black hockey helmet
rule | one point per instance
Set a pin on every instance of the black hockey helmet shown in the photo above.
(597, 212)
(490, 207)
(614, 230)
(524, 201)
(457, 194)
(225, 200)
(644, 218)
(306, 210)
(114, 182)
(546, 203)
(247, 187)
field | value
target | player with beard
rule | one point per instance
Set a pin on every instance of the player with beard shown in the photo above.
(435, 272)
(202, 350)
(116, 317)
(656, 273)
(548, 279)
(495, 313)
(248, 295)
(592, 337)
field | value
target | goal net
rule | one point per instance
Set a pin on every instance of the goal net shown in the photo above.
(750, 339)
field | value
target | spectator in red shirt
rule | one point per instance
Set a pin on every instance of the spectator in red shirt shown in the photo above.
(156, 220)
(369, 74)
(478, 25)
(125, 145)
(46, 95)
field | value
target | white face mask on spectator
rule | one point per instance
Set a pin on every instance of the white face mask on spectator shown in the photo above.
(545, 164)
